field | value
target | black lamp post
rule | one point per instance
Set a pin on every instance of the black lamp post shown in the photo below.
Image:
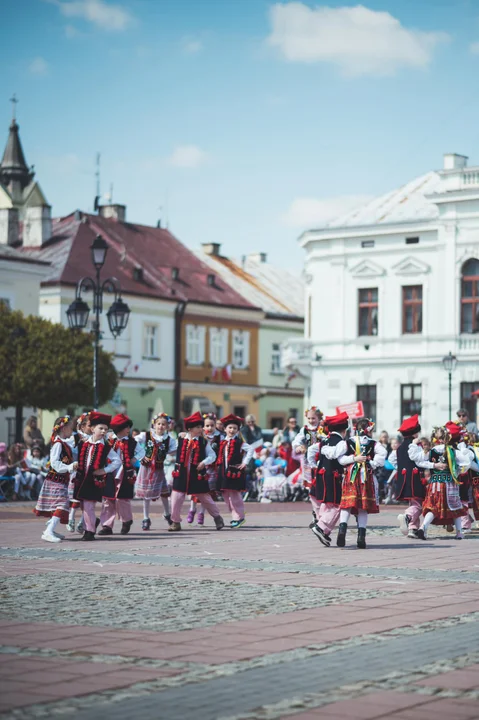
(79, 311)
(449, 362)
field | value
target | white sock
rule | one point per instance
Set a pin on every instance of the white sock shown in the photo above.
(166, 505)
(146, 509)
(71, 515)
(193, 506)
(362, 518)
(51, 527)
(458, 525)
(427, 520)
(203, 509)
(344, 516)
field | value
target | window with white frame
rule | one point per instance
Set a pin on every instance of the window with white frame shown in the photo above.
(240, 349)
(276, 368)
(151, 344)
(195, 344)
(218, 347)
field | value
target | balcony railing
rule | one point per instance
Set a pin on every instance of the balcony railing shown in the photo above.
(470, 177)
(469, 343)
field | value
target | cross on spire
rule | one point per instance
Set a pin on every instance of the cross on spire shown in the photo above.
(14, 102)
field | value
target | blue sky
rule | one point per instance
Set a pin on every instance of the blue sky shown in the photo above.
(246, 121)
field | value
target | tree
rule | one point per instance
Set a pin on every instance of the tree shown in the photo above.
(46, 365)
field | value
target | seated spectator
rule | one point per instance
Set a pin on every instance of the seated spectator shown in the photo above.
(291, 430)
(463, 418)
(285, 452)
(36, 463)
(32, 435)
(3, 459)
(17, 468)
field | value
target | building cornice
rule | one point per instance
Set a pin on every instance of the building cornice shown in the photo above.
(367, 231)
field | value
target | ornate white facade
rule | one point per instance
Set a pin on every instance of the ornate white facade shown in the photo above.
(402, 257)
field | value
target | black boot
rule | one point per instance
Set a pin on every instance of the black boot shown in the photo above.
(341, 540)
(105, 531)
(125, 528)
(88, 536)
(362, 538)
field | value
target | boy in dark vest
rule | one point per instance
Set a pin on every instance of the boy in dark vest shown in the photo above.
(233, 457)
(411, 487)
(193, 456)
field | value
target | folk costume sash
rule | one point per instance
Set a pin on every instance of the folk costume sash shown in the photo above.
(358, 467)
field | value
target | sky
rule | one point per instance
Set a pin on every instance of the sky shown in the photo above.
(242, 122)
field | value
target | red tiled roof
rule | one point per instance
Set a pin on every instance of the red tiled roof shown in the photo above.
(155, 250)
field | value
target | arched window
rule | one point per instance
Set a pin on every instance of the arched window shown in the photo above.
(470, 297)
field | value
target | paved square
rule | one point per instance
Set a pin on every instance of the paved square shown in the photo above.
(261, 622)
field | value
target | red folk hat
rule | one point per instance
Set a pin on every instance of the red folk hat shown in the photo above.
(232, 420)
(193, 421)
(98, 418)
(456, 431)
(410, 426)
(120, 422)
(337, 422)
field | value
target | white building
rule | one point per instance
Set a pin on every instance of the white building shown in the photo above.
(392, 288)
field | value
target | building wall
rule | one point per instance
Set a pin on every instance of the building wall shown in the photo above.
(223, 399)
(275, 333)
(279, 406)
(338, 266)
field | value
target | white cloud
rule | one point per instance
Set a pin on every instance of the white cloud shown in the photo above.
(191, 46)
(71, 31)
(307, 213)
(474, 48)
(38, 66)
(187, 156)
(102, 14)
(358, 40)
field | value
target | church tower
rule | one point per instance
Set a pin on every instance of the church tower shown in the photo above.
(22, 202)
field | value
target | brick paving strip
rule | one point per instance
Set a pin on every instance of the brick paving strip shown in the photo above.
(287, 628)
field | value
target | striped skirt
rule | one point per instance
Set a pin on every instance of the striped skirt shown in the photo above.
(151, 483)
(53, 500)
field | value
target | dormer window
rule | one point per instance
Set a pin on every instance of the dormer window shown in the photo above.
(367, 243)
(175, 273)
(138, 274)
(412, 241)
(211, 280)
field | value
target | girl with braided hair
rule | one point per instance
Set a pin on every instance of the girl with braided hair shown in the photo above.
(213, 436)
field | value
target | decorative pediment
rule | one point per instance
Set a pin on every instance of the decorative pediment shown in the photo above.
(367, 269)
(411, 266)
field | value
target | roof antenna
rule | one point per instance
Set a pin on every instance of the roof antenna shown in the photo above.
(167, 219)
(14, 102)
(96, 205)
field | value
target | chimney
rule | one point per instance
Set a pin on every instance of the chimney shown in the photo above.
(211, 249)
(9, 226)
(452, 161)
(260, 257)
(37, 226)
(113, 212)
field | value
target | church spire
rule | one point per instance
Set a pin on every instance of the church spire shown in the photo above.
(14, 172)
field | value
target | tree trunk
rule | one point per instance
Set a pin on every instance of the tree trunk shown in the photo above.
(19, 423)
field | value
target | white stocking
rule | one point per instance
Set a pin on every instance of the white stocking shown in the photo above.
(53, 523)
(166, 505)
(344, 516)
(427, 520)
(458, 525)
(362, 518)
(146, 509)
(71, 515)
(193, 506)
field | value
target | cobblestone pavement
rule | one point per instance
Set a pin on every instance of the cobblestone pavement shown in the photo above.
(261, 622)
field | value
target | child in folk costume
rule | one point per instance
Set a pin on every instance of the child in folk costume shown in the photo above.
(53, 500)
(360, 488)
(410, 480)
(96, 460)
(194, 455)
(213, 436)
(446, 462)
(308, 436)
(118, 493)
(325, 494)
(233, 457)
(83, 431)
(151, 483)
(465, 488)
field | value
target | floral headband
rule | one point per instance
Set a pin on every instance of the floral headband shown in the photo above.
(209, 416)
(158, 416)
(315, 410)
(370, 426)
(83, 418)
(61, 422)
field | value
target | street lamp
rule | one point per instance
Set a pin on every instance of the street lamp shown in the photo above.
(78, 311)
(449, 363)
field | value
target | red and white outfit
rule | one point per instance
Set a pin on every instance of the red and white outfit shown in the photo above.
(360, 487)
(94, 455)
(53, 500)
(233, 453)
(117, 501)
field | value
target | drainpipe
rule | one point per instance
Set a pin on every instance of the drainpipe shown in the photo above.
(179, 313)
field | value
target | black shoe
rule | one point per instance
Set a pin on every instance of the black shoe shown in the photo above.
(321, 535)
(125, 528)
(361, 538)
(421, 534)
(341, 539)
(146, 524)
(315, 517)
(312, 524)
(106, 531)
(88, 536)
(97, 522)
(168, 519)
